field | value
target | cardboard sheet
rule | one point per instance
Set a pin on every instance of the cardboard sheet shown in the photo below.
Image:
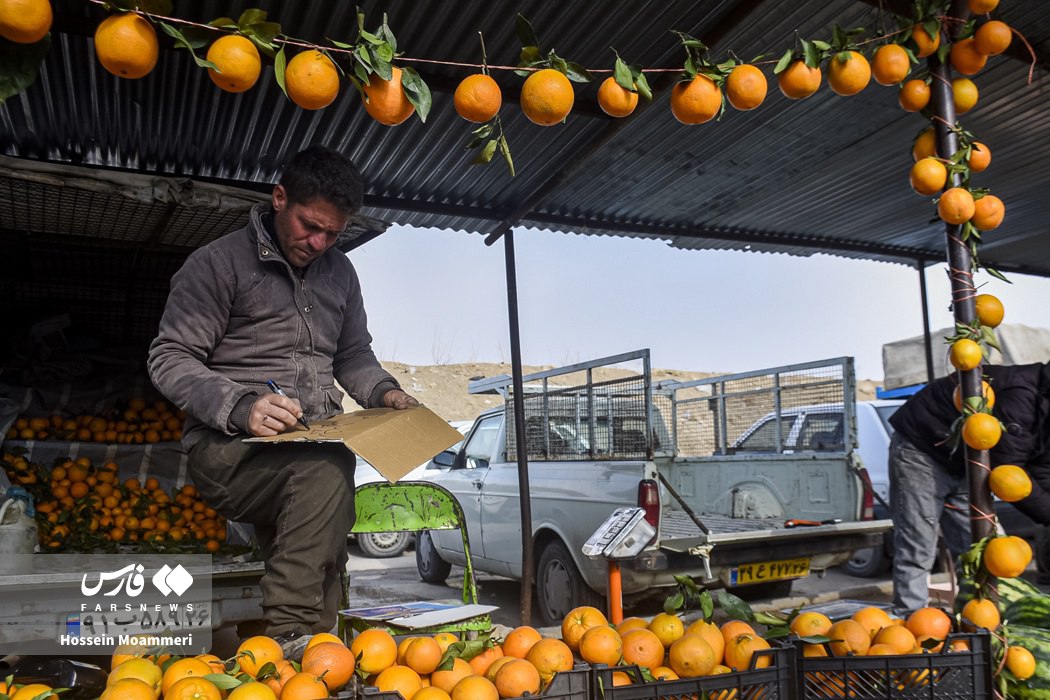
(421, 614)
(394, 442)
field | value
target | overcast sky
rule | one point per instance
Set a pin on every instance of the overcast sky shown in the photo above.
(437, 297)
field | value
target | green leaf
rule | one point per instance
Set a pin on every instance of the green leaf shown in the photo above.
(279, 63)
(182, 42)
(265, 32)
(815, 639)
(932, 26)
(417, 92)
(504, 149)
(387, 35)
(784, 62)
(734, 607)
(822, 45)
(526, 33)
(371, 38)
(777, 632)
(342, 45)
(223, 23)
(384, 69)
(199, 37)
(385, 52)
(674, 602)
(622, 75)
(529, 56)
(249, 17)
(485, 154)
(770, 619)
(812, 55)
(577, 73)
(996, 274)
(19, 65)
(643, 86)
(483, 131)
(155, 7)
(363, 55)
(707, 605)
(223, 681)
(559, 64)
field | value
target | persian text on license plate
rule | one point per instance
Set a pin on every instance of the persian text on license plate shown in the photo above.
(768, 571)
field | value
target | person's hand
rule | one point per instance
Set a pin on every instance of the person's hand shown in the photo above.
(272, 414)
(395, 398)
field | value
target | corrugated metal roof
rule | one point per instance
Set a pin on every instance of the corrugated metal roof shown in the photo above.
(827, 174)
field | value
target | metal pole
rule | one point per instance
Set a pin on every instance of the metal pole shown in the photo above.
(961, 272)
(927, 343)
(527, 568)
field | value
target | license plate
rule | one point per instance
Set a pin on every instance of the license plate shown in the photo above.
(768, 571)
(138, 622)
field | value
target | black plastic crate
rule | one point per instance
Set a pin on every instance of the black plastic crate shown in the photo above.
(567, 685)
(938, 676)
(778, 681)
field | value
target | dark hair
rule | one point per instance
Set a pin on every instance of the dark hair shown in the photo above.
(319, 172)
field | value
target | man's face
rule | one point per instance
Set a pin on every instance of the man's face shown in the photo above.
(306, 231)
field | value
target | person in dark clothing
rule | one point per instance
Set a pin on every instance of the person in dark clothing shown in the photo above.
(928, 482)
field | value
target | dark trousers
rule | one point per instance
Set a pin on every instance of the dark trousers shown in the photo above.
(300, 499)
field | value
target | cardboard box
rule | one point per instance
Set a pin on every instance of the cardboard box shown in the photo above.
(393, 441)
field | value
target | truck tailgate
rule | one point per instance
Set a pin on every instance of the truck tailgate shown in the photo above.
(678, 532)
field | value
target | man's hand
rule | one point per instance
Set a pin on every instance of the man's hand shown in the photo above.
(395, 398)
(272, 414)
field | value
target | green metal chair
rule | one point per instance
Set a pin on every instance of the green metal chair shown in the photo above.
(412, 506)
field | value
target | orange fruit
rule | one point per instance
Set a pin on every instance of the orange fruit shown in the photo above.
(601, 645)
(746, 87)
(1007, 557)
(546, 97)
(980, 157)
(214, 662)
(992, 38)
(1020, 662)
(965, 354)
(732, 628)
(140, 668)
(422, 655)
(194, 688)
(578, 621)
(1010, 483)
(988, 213)
(955, 206)
(872, 619)
(183, 668)
(399, 678)
(964, 94)
(631, 623)
(496, 665)
(663, 673)
(375, 650)
(335, 662)
(475, 688)
(387, 102)
(928, 176)
(619, 678)
(642, 647)
(896, 637)
(237, 61)
(691, 656)
(798, 80)
(881, 650)
(446, 680)
(303, 686)
(429, 692)
(809, 624)
(25, 21)
(516, 679)
(890, 64)
(713, 635)
(477, 98)
(482, 661)
(252, 691)
(980, 7)
(924, 43)
(126, 45)
(742, 648)
(814, 650)
(667, 628)
(914, 95)
(445, 640)
(988, 393)
(256, 652)
(311, 80)
(965, 57)
(124, 689)
(849, 637)
(615, 100)
(550, 656)
(981, 431)
(929, 622)
(925, 145)
(696, 101)
(982, 612)
(30, 691)
(322, 637)
(848, 73)
(275, 680)
(520, 640)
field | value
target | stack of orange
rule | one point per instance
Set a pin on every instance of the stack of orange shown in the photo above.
(135, 424)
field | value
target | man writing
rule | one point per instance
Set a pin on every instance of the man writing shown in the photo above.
(274, 301)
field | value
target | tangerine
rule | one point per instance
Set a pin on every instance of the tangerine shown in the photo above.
(848, 73)
(303, 686)
(982, 613)
(547, 97)
(955, 206)
(475, 688)
(126, 689)
(520, 640)
(986, 389)
(601, 645)
(477, 98)
(965, 57)
(256, 652)
(992, 38)
(965, 354)
(1010, 483)
(872, 619)
(399, 678)
(925, 144)
(981, 431)
(746, 87)
(810, 624)
(25, 21)
(741, 650)
(615, 100)
(928, 176)
(980, 7)
(237, 61)
(980, 157)
(1020, 662)
(929, 622)
(849, 638)
(643, 648)
(183, 668)
(482, 661)
(667, 628)
(914, 95)
(446, 680)
(517, 678)
(896, 637)
(890, 64)
(387, 101)
(311, 80)
(799, 81)
(924, 43)
(194, 688)
(252, 691)
(578, 621)
(988, 213)
(550, 656)
(333, 662)
(126, 45)
(375, 650)
(691, 656)
(964, 94)
(1007, 557)
(696, 101)
(713, 635)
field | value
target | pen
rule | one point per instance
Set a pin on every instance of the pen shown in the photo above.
(280, 392)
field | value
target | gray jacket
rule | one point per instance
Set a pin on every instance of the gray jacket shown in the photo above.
(238, 314)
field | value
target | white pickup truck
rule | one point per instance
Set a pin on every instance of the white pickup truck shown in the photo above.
(756, 519)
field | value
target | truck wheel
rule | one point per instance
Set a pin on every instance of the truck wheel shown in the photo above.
(432, 568)
(867, 563)
(559, 586)
(382, 545)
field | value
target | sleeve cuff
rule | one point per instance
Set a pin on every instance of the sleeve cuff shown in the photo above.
(238, 420)
(375, 399)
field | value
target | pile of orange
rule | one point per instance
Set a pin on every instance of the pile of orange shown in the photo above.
(136, 423)
(84, 507)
